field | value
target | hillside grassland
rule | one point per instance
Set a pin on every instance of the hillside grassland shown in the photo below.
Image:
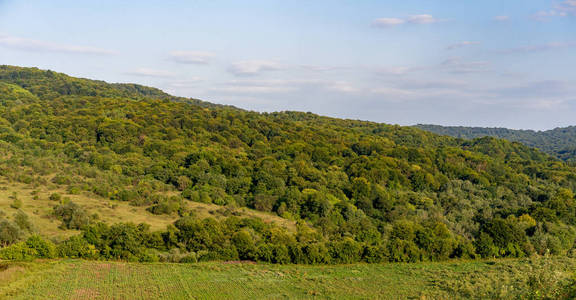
(37, 205)
(543, 278)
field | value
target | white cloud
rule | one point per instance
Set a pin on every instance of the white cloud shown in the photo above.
(433, 84)
(501, 18)
(460, 66)
(563, 9)
(456, 65)
(254, 89)
(185, 83)
(191, 57)
(146, 72)
(255, 86)
(316, 68)
(388, 22)
(341, 87)
(545, 14)
(43, 46)
(396, 70)
(391, 92)
(461, 45)
(568, 7)
(538, 48)
(253, 67)
(283, 86)
(422, 19)
(414, 19)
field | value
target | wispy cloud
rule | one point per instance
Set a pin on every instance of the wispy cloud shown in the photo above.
(396, 70)
(545, 14)
(193, 81)
(388, 22)
(414, 19)
(563, 9)
(146, 72)
(25, 44)
(501, 18)
(422, 19)
(460, 66)
(284, 86)
(568, 7)
(253, 67)
(538, 48)
(461, 45)
(191, 57)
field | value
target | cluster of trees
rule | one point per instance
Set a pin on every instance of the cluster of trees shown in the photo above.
(558, 142)
(191, 240)
(14, 229)
(380, 192)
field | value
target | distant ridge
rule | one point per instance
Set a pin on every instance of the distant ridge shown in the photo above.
(558, 142)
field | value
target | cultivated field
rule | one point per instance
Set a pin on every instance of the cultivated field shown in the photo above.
(76, 279)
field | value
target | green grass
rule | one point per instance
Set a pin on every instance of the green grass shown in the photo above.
(77, 279)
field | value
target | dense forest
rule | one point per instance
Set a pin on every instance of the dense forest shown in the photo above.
(559, 142)
(358, 191)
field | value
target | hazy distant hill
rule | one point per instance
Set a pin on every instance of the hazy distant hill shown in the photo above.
(559, 142)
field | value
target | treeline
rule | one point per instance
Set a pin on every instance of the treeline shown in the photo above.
(191, 240)
(558, 142)
(391, 192)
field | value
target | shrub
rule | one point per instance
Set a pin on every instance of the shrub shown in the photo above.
(9, 233)
(55, 197)
(77, 247)
(16, 203)
(43, 248)
(21, 219)
(73, 216)
(18, 251)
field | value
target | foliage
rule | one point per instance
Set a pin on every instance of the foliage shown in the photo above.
(9, 232)
(72, 215)
(558, 142)
(33, 247)
(361, 191)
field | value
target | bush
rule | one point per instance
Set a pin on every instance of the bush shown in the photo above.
(43, 248)
(77, 247)
(16, 203)
(9, 233)
(346, 251)
(18, 251)
(21, 219)
(55, 197)
(166, 206)
(73, 216)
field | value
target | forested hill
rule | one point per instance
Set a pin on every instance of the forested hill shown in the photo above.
(357, 191)
(559, 142)
(50, 85)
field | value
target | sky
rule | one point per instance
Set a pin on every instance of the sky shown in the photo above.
(488, 63)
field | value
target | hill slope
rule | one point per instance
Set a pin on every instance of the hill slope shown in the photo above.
(352, 190)
(559, 142)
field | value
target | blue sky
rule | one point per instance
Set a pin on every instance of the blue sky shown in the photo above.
(450, 62)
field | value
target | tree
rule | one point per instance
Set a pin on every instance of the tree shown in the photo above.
(9, 233)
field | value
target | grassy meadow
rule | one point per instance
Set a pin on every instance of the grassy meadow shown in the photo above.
(78, 279)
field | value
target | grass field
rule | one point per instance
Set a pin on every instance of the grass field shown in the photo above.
(77, 279)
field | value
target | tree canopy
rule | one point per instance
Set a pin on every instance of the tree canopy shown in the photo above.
(358, 190)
